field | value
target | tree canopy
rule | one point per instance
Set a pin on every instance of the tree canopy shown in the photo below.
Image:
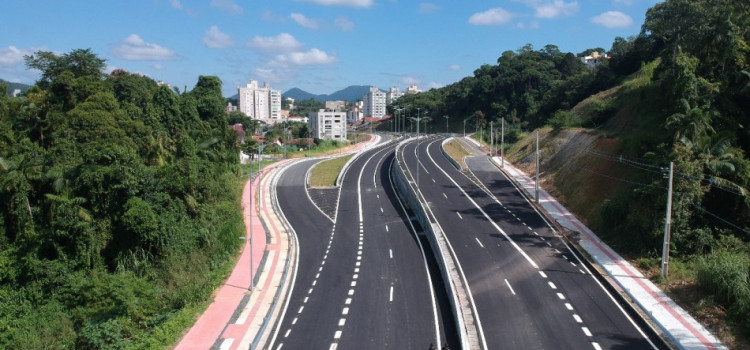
(119, 201)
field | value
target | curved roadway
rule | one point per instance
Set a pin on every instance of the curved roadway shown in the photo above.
(363, 282)
(530, 291)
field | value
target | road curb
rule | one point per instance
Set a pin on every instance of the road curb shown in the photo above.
(681, 328)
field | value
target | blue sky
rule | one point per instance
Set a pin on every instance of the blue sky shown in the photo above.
(317, 45)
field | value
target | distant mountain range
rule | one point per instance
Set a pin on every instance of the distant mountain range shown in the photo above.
(350, 93)
(13, 86)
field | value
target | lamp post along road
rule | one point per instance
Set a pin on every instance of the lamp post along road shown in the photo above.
(446, 123)
(537, 168)
(502, 143)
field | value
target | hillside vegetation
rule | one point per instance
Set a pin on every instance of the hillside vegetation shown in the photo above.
(120, 206)
(677, 92)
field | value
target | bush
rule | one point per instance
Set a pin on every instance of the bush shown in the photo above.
(726, 275)
(564, 119)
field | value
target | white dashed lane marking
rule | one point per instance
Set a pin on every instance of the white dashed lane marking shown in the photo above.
(480, 243)
(509, 287)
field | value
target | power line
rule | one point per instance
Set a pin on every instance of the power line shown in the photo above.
(661, 170)
(719, 218)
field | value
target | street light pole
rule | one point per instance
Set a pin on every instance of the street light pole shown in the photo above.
(446, 123)
(537, 167)
(491, 139)
(502, 143)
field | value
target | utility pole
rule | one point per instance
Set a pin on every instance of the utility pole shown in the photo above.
(418, 108)
(667, 227)
(492, 139)
(537, 167)
(502, 143)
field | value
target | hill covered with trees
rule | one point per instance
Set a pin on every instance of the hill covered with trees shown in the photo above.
(677, 92)
(120, 206)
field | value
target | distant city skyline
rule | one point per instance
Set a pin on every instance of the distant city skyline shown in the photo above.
(319, 46)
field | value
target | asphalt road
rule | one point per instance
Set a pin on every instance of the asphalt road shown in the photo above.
(364, 282)
(530, 291)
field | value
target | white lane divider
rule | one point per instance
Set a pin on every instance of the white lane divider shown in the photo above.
(390, 298)
(446, 197)
(509, 287)
(480, 243)
(459, 215)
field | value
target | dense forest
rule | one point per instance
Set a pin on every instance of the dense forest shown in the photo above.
(120, 206)
(691, 109)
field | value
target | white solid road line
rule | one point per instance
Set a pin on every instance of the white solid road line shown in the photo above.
(509, 287)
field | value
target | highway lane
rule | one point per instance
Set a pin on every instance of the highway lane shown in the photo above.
(394, 306)
(308, 322)
(527, 294)
(359, 285)
(606, 319)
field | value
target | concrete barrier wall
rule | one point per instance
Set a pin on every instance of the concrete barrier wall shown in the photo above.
(455, 285)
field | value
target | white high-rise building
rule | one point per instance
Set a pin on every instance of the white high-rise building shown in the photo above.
(328, 125)
(374, 103)
(392, 95)
(412, 89)
(262, 103)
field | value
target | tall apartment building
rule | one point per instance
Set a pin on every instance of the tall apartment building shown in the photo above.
(392, 95)
(335, 105)
(412, 89)
(262, 103)
(374, 103)
(328, 125)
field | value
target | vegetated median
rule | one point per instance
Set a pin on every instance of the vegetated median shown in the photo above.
(456, 151)
(325, 173)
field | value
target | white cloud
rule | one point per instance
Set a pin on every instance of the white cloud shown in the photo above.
(434, 85)
(177, 5)
(409, 80)
(133, 48)
(269, 16)
(281, 42)
(428, 7)
(613, 19)
(352, 3)
(552, 8)
(12, 55)
(344, 24)
(158, 66)
(530, 25)
(228, 6)
(454, 67)
(216, 39)
(306, 58)
(493, 16)
(304, 21)
(624, 2)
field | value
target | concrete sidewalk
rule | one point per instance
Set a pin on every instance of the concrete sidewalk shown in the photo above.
(234, 317)
(239, 318)
(683, 330)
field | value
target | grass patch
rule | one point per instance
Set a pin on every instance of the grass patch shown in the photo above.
(456, 151)
(325, 173)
